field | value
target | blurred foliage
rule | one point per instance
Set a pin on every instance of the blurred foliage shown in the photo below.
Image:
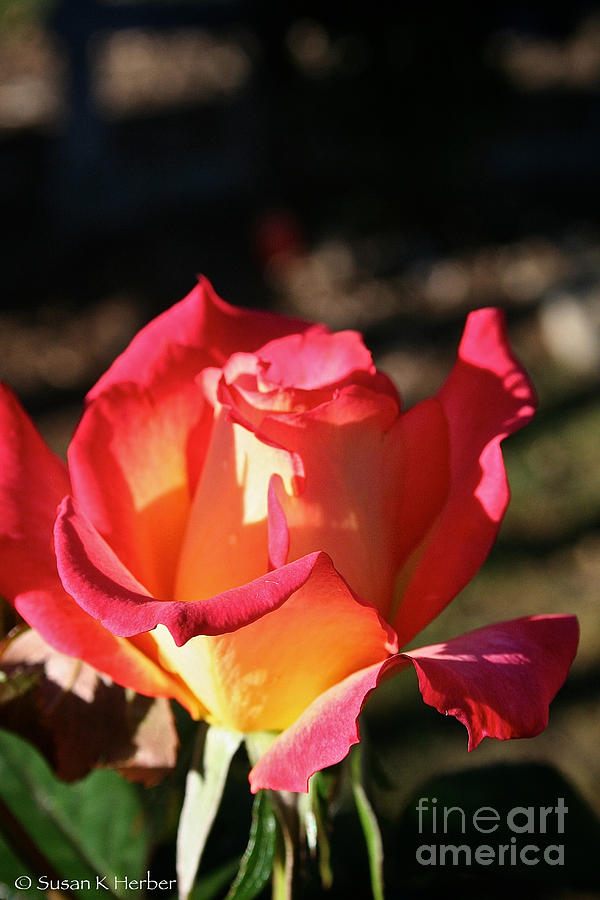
(25, 12)
(555, 477)
(94, 827)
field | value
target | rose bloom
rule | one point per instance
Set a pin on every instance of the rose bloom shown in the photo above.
(251, 525)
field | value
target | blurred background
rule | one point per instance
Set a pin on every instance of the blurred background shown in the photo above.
(369, 169)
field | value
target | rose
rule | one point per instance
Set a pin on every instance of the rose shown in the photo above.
(251, 525)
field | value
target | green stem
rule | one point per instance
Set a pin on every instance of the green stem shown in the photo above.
(324, 848)
(369, 825)
(283, 866)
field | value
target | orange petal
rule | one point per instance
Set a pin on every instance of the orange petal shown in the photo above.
(264, 675)
(133, 463)
(226, 541)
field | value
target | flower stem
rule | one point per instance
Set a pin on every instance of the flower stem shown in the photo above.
(283, 867)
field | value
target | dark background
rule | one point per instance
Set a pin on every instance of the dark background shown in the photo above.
(373, 169)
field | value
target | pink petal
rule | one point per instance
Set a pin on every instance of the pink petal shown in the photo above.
(498, 681)
(322, 735)
(314, 360)
(202, 322)
(279, 536)
(32, 481)
(297, 373)
(486, 397)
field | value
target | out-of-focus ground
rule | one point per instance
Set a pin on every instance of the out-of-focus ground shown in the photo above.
(386, 174)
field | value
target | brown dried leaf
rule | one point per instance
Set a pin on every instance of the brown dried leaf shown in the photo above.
(78, 718)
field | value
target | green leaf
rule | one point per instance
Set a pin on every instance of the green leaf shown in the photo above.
(257, 862)
(257, 743)
(12, 867)
(92, 828)
(369, 825)
(203, 791)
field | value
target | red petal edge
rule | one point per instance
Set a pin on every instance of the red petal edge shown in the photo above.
(498, 681)
(94, 576)
(486, 397)
(32, 481)
(202, 321)
(322, 735)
